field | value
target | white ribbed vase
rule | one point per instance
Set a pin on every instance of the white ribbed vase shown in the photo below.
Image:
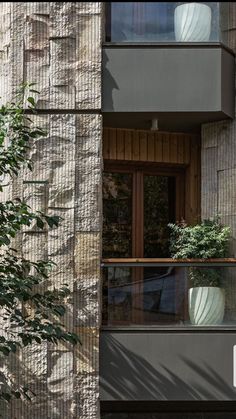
(192, 22)
(206, 305)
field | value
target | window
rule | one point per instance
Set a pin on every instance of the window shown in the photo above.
(162, 22)
(149, 180)
(138, 204)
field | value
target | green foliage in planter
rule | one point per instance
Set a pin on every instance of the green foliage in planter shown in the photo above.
(207, 240)
(205, 277)
(30, 311)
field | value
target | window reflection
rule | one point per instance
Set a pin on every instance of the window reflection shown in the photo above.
(159, 210)
(140, 21)
(159, 299)
(168, 298)
(164, 295)
(117, 215)
(160, 22)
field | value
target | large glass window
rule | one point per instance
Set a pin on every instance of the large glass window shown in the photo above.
(169, 297)
(142, 285)
(163, 22)
(137, 206)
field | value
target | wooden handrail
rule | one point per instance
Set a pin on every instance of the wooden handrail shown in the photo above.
(167, 260)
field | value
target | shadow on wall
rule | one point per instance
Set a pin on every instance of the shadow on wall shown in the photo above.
(47, 371)
(109, 84)
(131, 377)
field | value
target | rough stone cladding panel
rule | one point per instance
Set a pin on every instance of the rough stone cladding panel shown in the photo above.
(218, 189)
(58, 46)
(66, 379)
(231, 26)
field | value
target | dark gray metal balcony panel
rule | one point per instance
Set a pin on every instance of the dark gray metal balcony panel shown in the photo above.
(227, 85)
(168, 79)
(149, 366)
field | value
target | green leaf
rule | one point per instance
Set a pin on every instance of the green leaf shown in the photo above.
(34, 91)
(5, 396)
(16, 394)
(4, 240)
(31, 312)
(5, 350)
(31, 101)
(40, 223)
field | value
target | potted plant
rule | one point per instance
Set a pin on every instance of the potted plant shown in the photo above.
(207, 240)
(192, 22)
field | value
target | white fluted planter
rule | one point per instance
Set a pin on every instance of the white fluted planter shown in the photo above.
(206, 305)
(192, 22)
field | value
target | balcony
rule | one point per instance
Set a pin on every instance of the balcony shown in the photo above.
(152, 71)
(161, 339)
(139, 292)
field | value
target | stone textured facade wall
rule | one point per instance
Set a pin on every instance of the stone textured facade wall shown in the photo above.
(58, 46)
(218, 189)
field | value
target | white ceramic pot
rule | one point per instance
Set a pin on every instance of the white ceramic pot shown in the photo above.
(192, 22)
(206, 305)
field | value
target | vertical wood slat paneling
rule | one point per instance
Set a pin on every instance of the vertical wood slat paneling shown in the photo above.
(187, 145)
(166, 147)
(158, 148)
(112, 144)
(143, 144)
(140, 145)
(180, 149)
(136, 155)
(151, 147)
(173, 147)
(128, 147)
(120, 145)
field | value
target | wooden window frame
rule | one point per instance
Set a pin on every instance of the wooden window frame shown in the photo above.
(139, 170)
(162, 153)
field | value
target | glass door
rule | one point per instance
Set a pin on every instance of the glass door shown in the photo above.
(137, 207)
